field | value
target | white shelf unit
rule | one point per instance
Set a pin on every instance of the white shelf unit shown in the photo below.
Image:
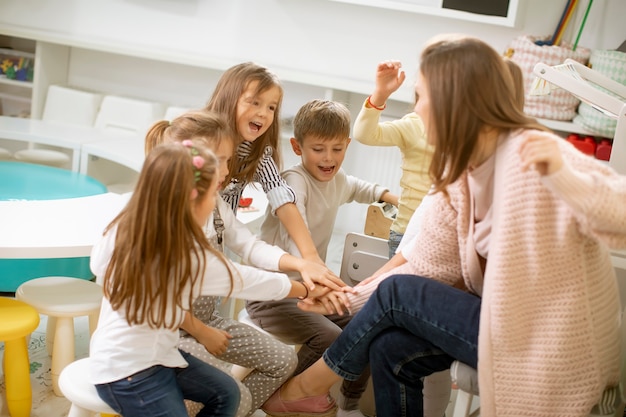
(581, 81)
(15, 95)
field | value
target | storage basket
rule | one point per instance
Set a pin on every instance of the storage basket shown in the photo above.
(559, 104)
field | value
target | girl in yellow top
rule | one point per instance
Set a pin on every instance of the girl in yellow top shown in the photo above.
(407, 134)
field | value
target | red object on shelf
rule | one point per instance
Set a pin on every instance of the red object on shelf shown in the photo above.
(586, 145)
(603, 151)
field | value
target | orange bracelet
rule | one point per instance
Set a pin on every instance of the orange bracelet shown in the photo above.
(369, 102)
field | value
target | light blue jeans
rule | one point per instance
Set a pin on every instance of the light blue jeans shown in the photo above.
(161, 391)
(394, 242)
(410, 328)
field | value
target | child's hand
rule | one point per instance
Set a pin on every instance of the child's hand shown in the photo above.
(318, 273)
(334, 302)
(215, 341)
(389, 78)
(540, 151)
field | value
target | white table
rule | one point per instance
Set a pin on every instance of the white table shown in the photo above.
(53, 134)
(64, 228)
(126, 151)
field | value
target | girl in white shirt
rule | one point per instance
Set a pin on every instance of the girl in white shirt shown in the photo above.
(153, 261)
(221, 341)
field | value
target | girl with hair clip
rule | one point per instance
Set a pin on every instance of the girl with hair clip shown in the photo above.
(217, 339)
(250, 96)
(153, 261)
(510, 271)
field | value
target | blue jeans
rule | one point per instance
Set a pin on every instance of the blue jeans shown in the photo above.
(160, 391)
(409, 328)
(394, 242)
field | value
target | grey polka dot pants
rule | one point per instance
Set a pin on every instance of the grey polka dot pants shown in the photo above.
(272, 362)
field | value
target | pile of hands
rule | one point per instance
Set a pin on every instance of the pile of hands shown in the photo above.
(328, 294)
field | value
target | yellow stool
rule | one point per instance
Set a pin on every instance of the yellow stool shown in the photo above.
(17, 321)
(62, 299)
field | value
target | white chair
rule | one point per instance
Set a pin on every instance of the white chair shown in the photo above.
(62, 299)
(362, 256)
(128, 116)
(63, 105)
(125, 117)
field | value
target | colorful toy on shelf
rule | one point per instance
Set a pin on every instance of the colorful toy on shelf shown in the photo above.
(603, 151)
(16, 65)
(586, 145)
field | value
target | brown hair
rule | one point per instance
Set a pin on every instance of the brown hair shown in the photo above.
(470, 89)
(204, 125)
(160, 249)
(228, 90)
(323, 119)
(518, 81)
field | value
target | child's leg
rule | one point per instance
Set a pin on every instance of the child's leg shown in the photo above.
(271, 361)
(205, 309)
(203, 383)
(287, 322)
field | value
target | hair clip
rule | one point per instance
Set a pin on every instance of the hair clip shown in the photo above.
(197, 161)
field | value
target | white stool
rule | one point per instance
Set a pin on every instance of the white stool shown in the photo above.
(62, 299)
(47, 157)
(75, 386)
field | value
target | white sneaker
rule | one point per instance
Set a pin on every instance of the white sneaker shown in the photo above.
(351, 413)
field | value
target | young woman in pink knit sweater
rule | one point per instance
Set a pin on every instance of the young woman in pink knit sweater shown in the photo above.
(510, 271)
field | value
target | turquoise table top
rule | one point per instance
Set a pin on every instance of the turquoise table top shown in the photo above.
(23, 181)
(20, 182)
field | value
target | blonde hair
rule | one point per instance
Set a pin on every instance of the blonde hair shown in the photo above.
(160, 249)
(204, 125)
(323, 119)
(470, 89)
(228, 90)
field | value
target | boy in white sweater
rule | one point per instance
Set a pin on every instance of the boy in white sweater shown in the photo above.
(321, 138)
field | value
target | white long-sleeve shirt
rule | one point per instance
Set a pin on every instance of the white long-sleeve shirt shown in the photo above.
(118, 349)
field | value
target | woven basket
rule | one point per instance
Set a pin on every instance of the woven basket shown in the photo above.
(559, 104)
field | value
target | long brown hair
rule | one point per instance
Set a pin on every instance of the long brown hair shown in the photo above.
(228, 90)
(206, 125)
(470, 89)
(160, 249)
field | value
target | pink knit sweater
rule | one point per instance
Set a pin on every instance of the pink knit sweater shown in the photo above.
(549, 333)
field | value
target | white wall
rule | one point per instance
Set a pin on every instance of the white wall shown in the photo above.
(320, 43)
(300, 39)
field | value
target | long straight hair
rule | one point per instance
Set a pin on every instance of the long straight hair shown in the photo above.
(470, 89)
(160, 249)
(228, 90)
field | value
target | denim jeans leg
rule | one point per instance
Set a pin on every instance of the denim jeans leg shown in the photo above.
(203, 383)
(394, 242)
(399, 360)
(446, 317)
(151, 392)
